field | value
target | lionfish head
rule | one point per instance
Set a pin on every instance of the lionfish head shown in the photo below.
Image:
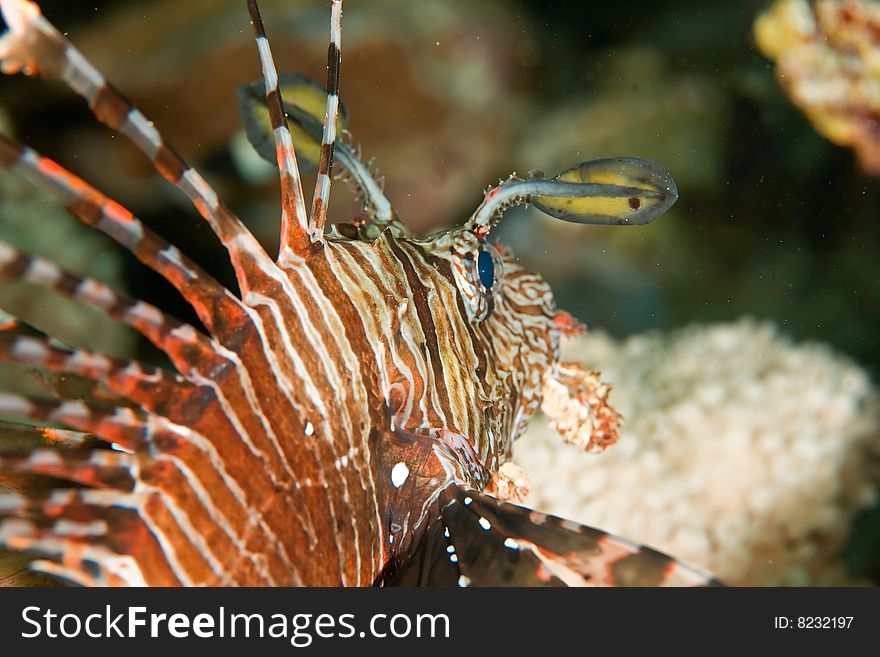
(513, 308)
(507, 308)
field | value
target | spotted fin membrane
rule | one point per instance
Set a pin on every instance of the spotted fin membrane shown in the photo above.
(479, 541)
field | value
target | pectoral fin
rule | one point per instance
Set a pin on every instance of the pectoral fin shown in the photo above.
(478, 541)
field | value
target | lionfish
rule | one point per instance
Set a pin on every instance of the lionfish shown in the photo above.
(347, 418)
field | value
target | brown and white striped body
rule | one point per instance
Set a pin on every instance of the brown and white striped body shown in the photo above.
(316, 430)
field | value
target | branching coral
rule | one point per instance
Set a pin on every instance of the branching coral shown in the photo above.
(740, 452)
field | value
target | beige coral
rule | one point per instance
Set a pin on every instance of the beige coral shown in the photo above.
(827, 56)
(742, 452)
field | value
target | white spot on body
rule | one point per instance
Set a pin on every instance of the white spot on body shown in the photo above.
(453, 558)
(309, 429)
(399, 474)
(570, 526)
(468, 500)
(485, 524)
(464, 580)
(510, 543)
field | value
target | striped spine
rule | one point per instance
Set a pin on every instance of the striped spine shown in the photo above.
(321, 198)
(295, 224)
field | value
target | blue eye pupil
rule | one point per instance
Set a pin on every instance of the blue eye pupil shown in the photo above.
(486, 269)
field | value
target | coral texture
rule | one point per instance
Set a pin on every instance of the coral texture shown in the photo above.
(828, 60)
(739, 451)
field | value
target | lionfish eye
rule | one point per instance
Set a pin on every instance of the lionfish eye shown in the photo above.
(490, 268)
(486, 269)
(478, 271)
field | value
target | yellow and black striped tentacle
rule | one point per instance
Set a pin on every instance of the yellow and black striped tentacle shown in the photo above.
(478, 541)
(296, 228)
(148, 386)
(34, 46)
(185, 346)
(321, 198)
(612, 191)
(209, 299)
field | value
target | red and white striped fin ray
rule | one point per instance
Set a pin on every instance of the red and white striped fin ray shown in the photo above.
(209, 299)
(128, 427)
(255, 391)
(72, 551)
(170, 396)
(146, 385)
(220, 463)
(185, 345)
(90, 532)
(35, 46)
(200, 479)
(95, 468)
(296, 229)
(321, 199)
(199, 495)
